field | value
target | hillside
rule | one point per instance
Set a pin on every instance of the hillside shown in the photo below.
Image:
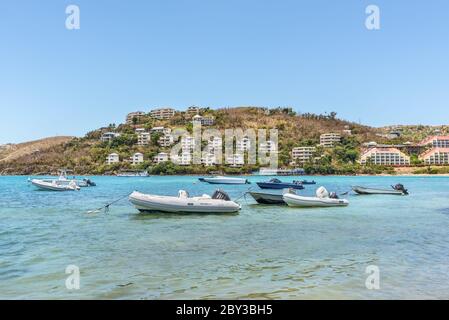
(87, 155)
(16, 152)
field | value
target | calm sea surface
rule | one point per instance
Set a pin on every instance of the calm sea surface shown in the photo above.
(262, 252)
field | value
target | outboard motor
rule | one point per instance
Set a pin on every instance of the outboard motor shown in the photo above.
(221, 195)
(89, 183)
(400, 187)
(333, 195)
(322, 193)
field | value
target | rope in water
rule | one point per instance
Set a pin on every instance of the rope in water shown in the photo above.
(106, 207)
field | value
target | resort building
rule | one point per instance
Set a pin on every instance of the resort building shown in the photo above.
(193, 110)
(267, 147)
(165, 140)
(162, 113)
(237, 160)
(161, 157)
(184, 159)
(109, 136)
(143, 137)
(436, 142)
(303, 154)
(204, 121)
(187, 143)
(385, 156)
(208, 159)
(436, 156)
(328, 140)
(112, 158)
(134, 117)
(215, 143)
(243, 145)
(137, 158)
(162, 130)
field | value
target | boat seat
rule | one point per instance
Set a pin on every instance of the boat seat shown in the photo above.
(183, 194)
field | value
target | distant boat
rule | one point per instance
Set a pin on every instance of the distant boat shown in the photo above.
(322, 199)
(224, 180)
(131, 174)
(398, 190)
(306, 182)
(61, 182)
(183, 203)
(278, 184)
(267, 198)
(281, 172)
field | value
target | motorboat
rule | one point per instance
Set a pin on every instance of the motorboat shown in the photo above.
(224, 180)
(278, 184)
(267, 198)
(323, 199)
(133, 174)
(219, 202)
(53, 185)
(395, 190)
(64, 180)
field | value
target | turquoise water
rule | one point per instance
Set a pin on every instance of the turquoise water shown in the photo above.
(262, 252)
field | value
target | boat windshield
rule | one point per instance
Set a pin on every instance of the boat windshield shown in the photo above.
(274, 180)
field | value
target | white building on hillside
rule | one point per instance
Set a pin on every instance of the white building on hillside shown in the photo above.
(161, 130)
(328, 140)
(267, 147)
(161, 157)
(436, 156)
(162, 113)
(436, 141)
(303, 154)
(134, 117)
(165, 140)
(204, 121)
(385, 156)
(243, 145)
(184, 159)
(112, 158)
(237, 160)
(137, 158)
(208, 159)
(109, 136)
(143, 137)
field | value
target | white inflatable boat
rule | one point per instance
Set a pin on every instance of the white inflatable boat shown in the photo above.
(218, 203)
(53, 185)
(322, 199)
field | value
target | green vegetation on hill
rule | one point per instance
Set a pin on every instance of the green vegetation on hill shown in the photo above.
(87, 155)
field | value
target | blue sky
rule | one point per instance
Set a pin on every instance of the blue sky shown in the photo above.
(315, 56)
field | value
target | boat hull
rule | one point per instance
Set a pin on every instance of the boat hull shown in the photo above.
(48, 186)
(368, 191)
(310, 202)
(224, 180)
(269, 185)
(154, 203)
(267, 198)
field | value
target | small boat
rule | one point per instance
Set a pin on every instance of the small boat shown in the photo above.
(322, 199)
(398, 190)
(183, 203)
(224, 180)
(267, 198)
(133, 174)
(306, 182)
(278, 184)
(54, 185)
